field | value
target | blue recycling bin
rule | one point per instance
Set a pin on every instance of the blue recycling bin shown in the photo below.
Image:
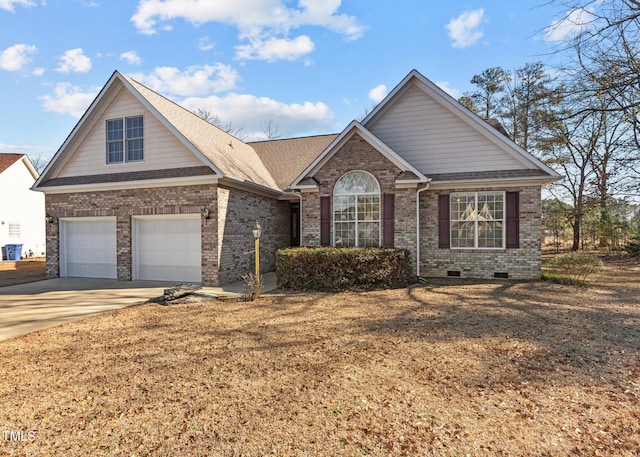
(14, 251)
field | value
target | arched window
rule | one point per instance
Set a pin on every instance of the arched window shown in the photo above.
(356, 210)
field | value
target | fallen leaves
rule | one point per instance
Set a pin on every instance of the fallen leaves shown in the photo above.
(451, 368)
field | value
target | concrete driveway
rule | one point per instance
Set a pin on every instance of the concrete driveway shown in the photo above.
(25, 308)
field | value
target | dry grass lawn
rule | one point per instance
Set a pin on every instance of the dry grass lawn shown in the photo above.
(442, 369)
(21, 271)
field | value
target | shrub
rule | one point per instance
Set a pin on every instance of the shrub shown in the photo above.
(575, 266)
(253, 286)
(338, 269)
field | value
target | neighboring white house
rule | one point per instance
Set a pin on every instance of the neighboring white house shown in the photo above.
(22, 213)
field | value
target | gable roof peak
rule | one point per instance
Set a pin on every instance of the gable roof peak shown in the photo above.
(353, 128)
(417, 79)
(226, 155)
(8, 159)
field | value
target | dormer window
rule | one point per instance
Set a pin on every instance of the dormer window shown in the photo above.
(125, 139)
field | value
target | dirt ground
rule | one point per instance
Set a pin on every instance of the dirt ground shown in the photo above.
(446, 368)
(21, 271)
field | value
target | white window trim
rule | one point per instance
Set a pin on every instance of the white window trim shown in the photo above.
(379, 220)
(475, 231)
(124, 140)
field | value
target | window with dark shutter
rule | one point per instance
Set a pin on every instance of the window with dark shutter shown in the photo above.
(444, 235)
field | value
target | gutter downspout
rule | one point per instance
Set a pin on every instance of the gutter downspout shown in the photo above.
(418, 228)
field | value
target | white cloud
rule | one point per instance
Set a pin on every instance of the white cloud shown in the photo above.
(205, 44)
(247, 14)
(444, 85)
(131, 57)
(9, 4)
(466, 29)
(25, 149)
(16, 57)
(38, 71)
(195, 80)
(264, 23)
(274, 49)
(68, 99)
(378, 93)
(74, 61)
(323, 13)
(250, 112)
(575, 22)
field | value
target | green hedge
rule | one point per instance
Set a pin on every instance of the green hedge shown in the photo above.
(339, 269)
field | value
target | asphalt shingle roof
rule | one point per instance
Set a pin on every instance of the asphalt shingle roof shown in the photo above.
(130, 176)
(285, 159)
(6, 160)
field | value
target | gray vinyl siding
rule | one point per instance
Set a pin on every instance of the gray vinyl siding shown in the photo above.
(435, 140)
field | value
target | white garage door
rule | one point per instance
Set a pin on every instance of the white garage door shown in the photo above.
(168, 248)
(88, 248)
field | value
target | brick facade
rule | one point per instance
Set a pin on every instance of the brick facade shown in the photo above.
(522, 263)
(226, 238)
(238, 212)
(357, 154)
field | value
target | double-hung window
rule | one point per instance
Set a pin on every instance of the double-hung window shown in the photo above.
(356, 210)
(125, 139)
(477, 220)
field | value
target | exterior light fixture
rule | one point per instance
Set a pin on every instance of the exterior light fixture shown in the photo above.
(50, 219)
(206, 213)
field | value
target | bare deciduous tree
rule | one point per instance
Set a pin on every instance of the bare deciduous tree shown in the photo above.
(214, 119)
(271, 129)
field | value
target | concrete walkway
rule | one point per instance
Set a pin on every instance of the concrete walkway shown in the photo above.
(25, 308)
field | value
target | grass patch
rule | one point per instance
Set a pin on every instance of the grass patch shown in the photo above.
(557, 278)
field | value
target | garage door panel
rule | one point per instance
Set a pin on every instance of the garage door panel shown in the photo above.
(89, 249)
(168, 249)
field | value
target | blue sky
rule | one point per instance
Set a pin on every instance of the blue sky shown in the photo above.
(307, 66)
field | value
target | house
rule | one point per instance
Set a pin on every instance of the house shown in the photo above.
(22, 216)
(144, 189)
